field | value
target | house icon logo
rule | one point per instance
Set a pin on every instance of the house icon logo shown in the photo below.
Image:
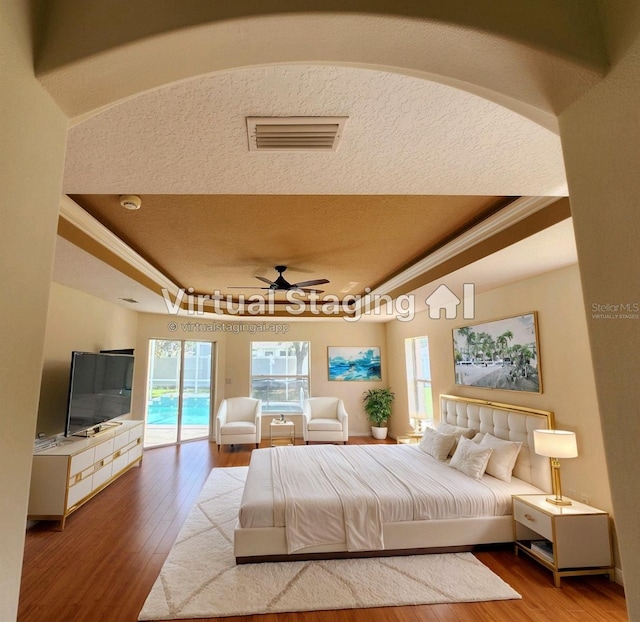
(443, 299)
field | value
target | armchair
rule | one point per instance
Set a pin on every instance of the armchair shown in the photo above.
(325, 419)
(238, 421)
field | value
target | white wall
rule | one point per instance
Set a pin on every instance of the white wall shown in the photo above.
(77, 321)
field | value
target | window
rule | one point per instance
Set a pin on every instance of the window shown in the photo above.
(280, 374)
(419, 380)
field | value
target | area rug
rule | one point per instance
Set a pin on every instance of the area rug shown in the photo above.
(200, 579)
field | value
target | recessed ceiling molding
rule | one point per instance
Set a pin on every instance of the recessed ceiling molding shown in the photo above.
(82, 220)
(513, 213)
(519, 210)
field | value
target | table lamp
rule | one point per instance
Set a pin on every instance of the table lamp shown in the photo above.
(555, 444)
(418, 418)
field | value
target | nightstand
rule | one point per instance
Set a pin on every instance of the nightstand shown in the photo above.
(568, 540)
(408, 438)
(281, 432)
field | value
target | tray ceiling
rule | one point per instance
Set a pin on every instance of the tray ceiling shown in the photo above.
(418, 163)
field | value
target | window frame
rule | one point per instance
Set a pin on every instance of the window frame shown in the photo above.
(417, 384)
(302, 380)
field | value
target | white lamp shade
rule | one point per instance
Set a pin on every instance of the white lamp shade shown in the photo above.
(555, 443)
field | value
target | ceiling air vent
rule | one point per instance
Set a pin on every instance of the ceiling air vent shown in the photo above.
(295, 133)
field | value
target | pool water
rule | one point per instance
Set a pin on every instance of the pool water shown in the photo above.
(195, 410)
(164, 410)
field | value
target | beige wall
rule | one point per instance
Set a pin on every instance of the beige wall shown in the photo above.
(233, 350)
(32, 135)
(567, 375)
(76, 321)
(600, 137)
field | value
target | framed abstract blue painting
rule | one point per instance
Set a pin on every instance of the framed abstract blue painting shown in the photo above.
(354, 363)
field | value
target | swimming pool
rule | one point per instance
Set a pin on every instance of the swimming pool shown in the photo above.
(164, 410)
(195, 410)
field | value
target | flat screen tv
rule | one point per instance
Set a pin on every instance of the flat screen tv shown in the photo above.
(99, 390)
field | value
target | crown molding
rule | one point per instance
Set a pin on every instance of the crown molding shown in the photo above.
(83, 221)
(516, 211)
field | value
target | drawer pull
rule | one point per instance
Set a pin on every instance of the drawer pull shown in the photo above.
(530, 518)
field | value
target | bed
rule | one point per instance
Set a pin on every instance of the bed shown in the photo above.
(332, 501)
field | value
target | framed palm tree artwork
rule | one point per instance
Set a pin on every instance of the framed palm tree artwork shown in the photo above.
(500, 354)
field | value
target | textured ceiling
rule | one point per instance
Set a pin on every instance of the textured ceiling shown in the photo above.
(404, 135)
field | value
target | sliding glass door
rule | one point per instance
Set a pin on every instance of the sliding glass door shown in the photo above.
(179, 394)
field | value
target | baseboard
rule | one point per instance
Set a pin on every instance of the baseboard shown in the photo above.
(618, 576)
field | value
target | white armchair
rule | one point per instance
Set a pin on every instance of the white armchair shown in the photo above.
(325, 419)
(238, 421)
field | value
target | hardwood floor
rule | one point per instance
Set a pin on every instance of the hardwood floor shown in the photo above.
(102, 566)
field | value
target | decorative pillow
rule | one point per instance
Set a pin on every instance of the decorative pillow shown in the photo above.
(436, 444)
(457, 431)
(478, 437)
(503, 458)
(471, 458)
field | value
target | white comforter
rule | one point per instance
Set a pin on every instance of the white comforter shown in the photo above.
(328, 494)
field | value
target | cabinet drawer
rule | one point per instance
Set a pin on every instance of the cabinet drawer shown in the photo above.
(534, 519)
(120, 441)
(120, 462)
(79, 491)
(135, 453)
(135, 433)
(102, 475)
(82, 461)
(104, 449)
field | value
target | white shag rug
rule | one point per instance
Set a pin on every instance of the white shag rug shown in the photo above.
(200, 578)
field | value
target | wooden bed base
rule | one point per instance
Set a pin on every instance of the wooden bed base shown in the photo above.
(302, 557)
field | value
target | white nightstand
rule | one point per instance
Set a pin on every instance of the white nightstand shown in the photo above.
(569, 540)
(282, 432)
(409, 439)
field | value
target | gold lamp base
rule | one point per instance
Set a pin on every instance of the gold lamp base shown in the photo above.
(558, 500)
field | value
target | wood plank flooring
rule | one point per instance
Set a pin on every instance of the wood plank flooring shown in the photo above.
(102, 566)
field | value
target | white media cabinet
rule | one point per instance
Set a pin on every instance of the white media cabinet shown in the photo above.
(68, 475)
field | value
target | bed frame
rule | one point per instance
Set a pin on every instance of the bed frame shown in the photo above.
(515, 423)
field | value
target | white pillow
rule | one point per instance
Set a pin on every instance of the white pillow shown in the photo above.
(503, 458)
(436, 444)
(457, 431)
(478, 437)
(471, 458)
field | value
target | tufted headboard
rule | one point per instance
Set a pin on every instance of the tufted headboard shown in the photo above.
(513, 423)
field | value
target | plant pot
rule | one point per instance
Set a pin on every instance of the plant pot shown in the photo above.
(379, 433)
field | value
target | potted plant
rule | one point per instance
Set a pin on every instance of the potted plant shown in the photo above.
(377, 405)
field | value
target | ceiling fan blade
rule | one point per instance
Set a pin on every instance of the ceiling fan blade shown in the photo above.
(247, 287)
(267, 281)
(309, 283)
(306, 290)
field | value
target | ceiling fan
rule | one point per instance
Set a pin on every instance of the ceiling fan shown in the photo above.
(282, 285)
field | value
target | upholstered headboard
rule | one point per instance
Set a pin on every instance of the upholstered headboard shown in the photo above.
(513, 423)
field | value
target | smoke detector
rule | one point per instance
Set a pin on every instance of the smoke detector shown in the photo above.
(130, 201)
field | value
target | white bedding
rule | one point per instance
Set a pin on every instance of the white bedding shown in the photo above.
(343, 494)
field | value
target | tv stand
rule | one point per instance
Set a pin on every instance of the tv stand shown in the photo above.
(65, 477)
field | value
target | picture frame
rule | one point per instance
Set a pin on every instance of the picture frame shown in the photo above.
(499, 354)
(354, 364)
